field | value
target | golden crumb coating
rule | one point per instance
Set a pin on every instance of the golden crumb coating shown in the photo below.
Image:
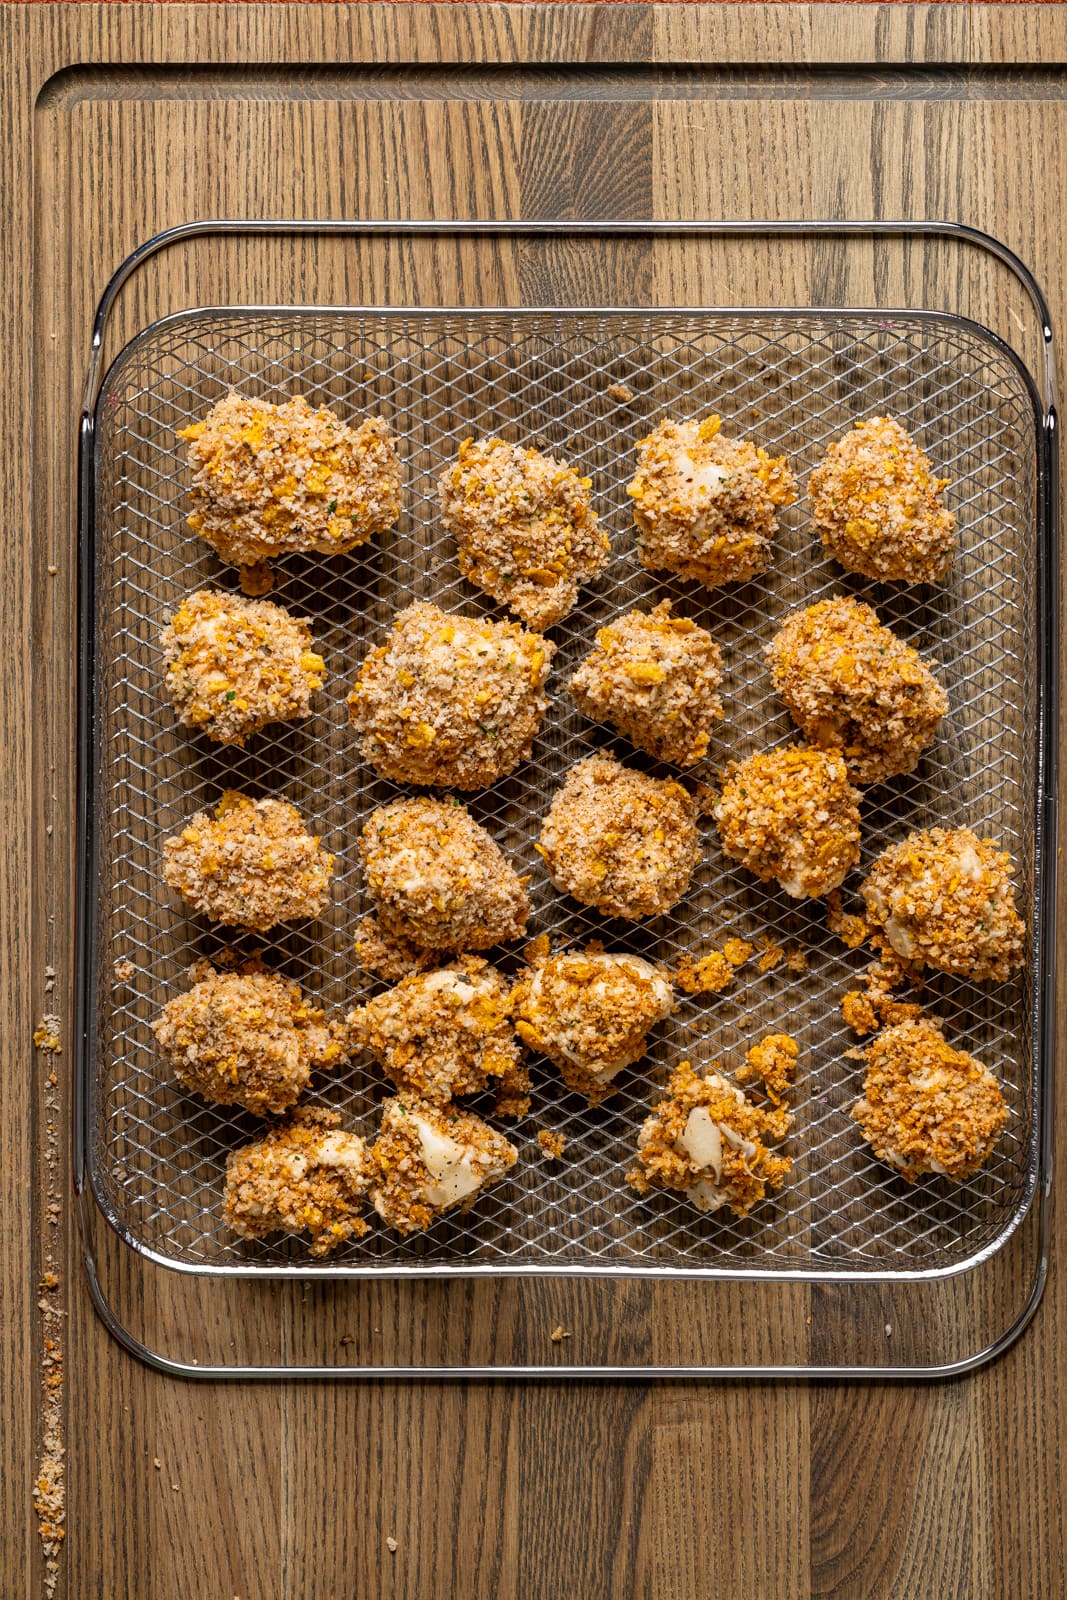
(450, 701)
(438, 879)
(245, 1038)
(944, 898)
(852, 685)
(619, 840)
(877, 504)
(308, 1175)
(928, 1108)
(440, 1035)
(772, 1063)
(793, 817)
(429, 1159)
(654, 677)
(234, 665)
(251, 865)
(590, 1013)
(706, 507)
(706, 1141)
(270, 479)
(524, 528)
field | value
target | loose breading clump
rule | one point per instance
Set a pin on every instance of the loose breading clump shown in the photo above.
(245, 1038)
(852, 685)
(792, 816)
(944, 898)
(450, 701)
(706, 507)
(591, 1012)
(524, 528)
(440, 1035)
(306, 1175)
(619, 840)
(234, 665)
(654, 677)
(706, 1141)
(272, 479)
(429, 1159)
(877, 504)
(438, 879)
(928, 1108)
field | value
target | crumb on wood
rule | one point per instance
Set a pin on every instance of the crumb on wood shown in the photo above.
(559, 1333)
(391, 1545)
(552, 1144)
(348, 1338)
(46, 1036)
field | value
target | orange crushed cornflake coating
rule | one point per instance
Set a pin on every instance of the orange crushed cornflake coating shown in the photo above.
(429, 1159)
(307, 1175)
(772, 1063)
(738, 951)
(851, 930)
(859, 1013)
(710, 974)
(791, 816)
(552, 1144)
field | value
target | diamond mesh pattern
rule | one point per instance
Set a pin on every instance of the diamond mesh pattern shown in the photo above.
(791, 382)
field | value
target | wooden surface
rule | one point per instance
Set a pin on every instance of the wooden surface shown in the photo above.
(108, 133)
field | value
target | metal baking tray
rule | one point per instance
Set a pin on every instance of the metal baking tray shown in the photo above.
(792, 380)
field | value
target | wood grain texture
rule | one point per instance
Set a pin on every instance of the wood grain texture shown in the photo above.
(108, 132)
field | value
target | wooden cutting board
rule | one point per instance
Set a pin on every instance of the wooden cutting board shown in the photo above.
(123, 120)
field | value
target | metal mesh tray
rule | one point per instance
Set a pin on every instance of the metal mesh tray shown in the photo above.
(790, 380)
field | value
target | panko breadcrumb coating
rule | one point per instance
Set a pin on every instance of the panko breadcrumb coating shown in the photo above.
(272, 479)
(619, 840)
(389, 957)
(590, 1013)
(445, 1034)
(654, 677)
(524, 528)
(306, 1175)
(877, 504)
(852, 685)
(251, 865)
(793, 817)
(438, 879)
(928, 1108)
(450, 701)
(235, 665)
(772, 1063)
(944, 898)
(706, 1142)
(429, 1159)
(706, 507)
(245, 1038)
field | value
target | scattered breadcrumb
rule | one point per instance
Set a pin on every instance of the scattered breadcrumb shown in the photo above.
(621, 392)
(124, 971)
(772, 956)
(850, 929)
(795, 959)
(858, 1011)
(866, 1013)
(552, 1144)
(391, 1545)
(430, 1159)
(46, 1035)
(791, 816)
(713, 972)
(306, 1174)
(49, 1483)
(772, 1063)
(559, 1333)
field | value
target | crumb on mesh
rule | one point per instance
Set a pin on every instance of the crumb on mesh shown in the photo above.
(123, 971)
(772, 1063)
(851, 930)
(714, 971)
(308, 1174)
(552, 1143)
(621, 392)
(430, 1159)
(791, 816)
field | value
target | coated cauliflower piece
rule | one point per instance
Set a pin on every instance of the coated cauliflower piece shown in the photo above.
(234, 665)
(944, 898)
(619, 840)
(654, 677)
(251, 865)
(429, 1159)
(524, 528)
(706, 507)
(852, 685)
(877, 504)
(245, 1038)
(306, 1175)
(450, 701)
(927, 1108)
(793, 817)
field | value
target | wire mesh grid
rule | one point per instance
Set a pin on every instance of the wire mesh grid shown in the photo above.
(587, 385)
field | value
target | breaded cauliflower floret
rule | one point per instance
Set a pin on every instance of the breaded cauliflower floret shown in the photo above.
(944, 898)
(440, 1035)
(438, 879)
(429, 1159)
(251, 865)
(619, 840)
(928, 1108)
(272, 479)
(524, 529)
(235, 665)
(852, 685)
(306, 1175)
(245, 1038)
(450, 701)
(654, 677)
(591, 1013)
(792, 816)
(706, 507)
(878, 506)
